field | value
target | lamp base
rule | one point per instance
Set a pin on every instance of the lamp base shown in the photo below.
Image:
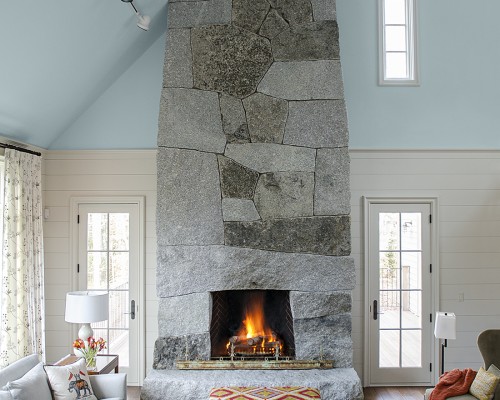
(85, 332)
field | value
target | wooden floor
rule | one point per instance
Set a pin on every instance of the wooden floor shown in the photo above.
(371, 393)
(133, 393)
(394, 393)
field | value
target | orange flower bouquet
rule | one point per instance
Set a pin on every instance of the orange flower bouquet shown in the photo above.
(90, 349)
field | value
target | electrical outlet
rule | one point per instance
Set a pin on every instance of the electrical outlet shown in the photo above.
(460, 297)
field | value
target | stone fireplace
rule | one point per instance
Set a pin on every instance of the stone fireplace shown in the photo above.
(253, 194)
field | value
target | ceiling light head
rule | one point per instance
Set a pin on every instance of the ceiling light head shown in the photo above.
(143, 21)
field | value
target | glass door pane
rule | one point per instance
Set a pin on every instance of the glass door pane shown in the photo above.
(108, 269)
(400, 290)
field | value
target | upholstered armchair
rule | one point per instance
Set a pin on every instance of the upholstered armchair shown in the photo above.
(488, 342)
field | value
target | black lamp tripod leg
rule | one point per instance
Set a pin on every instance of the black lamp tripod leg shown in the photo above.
(443, 345)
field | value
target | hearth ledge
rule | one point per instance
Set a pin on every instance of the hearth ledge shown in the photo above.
(338, 383)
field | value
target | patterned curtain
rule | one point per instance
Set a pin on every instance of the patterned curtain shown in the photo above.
(22, 292)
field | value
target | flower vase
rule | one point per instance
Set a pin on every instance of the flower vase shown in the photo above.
(91, 363)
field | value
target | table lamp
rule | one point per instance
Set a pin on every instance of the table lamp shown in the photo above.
(84, 308)
(445, 328)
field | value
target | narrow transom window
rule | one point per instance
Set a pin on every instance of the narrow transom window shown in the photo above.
(397, 42)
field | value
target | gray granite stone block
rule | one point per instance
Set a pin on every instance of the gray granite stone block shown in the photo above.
(249, 15)
(273, 25)
(324, 10)
(177, 71)
(234, 122)
(332, 190)
(236, 180)
(168, 349)
(294, 11)
(317, 123)
(262, 157)
(317, 304)
(316, 235)
(304, 80)
(285, 194)
(239, 210)
(190, 269)
(190, 119)
(229, 59)
(311, 41)
(188, 206)
(187, 14)
(334, 384)
(266, 118)
(183, 315)
(331, 338)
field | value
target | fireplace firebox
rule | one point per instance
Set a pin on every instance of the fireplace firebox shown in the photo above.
(251, 324)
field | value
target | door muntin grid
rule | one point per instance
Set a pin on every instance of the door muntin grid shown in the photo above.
(400, 290)
(108, 254)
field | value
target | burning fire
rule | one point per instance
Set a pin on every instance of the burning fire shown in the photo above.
(254, 335)
(254, 324)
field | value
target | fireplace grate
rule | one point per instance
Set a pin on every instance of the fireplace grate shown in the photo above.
(282, 363)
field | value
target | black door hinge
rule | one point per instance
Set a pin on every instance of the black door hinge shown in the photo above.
(78, 268)
(78, 219)
(430, 318)
(430, 268)
(430, 218)
(430, 367)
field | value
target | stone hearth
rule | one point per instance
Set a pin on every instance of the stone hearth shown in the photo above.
(253, 187)
(338, 384)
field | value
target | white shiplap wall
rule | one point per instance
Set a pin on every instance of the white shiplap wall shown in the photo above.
(467, 185)
(69, 174)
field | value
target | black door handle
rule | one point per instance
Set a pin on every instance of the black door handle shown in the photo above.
(375, 310)
(132, 309)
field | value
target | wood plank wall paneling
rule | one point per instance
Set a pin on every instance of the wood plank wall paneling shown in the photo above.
(466, 183)
(69, 174)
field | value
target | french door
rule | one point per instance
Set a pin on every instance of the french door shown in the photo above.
(109, 259)
(399, 294)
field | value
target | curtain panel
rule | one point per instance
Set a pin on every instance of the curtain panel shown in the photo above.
(22, 288)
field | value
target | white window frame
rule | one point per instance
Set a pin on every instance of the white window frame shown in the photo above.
(412, 78)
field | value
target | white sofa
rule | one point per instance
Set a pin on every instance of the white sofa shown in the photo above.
(106, 387)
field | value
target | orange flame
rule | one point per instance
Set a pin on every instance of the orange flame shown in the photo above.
(254, 323)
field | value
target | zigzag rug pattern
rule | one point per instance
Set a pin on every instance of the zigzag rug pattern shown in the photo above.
(264, 393)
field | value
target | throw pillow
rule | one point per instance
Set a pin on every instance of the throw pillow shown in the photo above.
(5, 395)
(33, 385)
(70, 382)
(494, 370)
(484, 385)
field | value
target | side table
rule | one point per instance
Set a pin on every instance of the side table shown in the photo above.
(105, 363)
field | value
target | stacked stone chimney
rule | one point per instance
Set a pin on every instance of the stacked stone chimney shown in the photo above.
(253, 171)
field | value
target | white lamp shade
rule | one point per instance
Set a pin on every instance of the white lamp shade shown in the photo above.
(86, 307)
(446, 325)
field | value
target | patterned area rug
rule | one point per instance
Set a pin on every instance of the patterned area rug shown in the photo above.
(264, 393)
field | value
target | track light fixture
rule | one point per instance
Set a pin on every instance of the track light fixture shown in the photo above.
(143, 21)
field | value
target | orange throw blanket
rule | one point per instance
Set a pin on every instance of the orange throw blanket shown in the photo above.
(453, 383)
